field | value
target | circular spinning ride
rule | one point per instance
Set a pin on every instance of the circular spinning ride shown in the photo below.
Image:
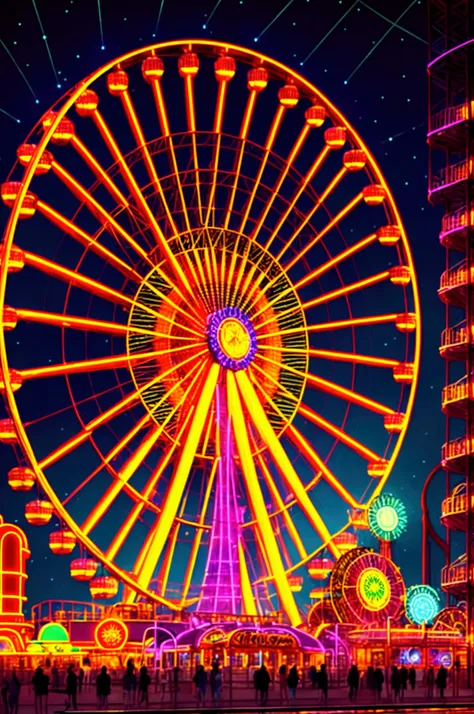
(202, 269)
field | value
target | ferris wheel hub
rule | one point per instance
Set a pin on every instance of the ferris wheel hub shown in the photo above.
(232, 338)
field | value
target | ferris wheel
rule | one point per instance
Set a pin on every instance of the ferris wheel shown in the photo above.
(211, 333)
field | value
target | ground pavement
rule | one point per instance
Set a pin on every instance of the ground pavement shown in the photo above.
(241, 696)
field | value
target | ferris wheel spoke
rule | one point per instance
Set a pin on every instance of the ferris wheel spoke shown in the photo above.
(110, 413)
(142, 203)
(98, 170)
(217, 130)
(191, 123)
(88, 241)
(165, 130)
(150, 487)
(336, 390)
(324, 298)
(307, 178)
(280, 505)
(199, 533)
(327, 228)
(279, 456)
(326, 472)
(140, 141)
(336, 356)
(137, 458)
(250, 607)
(336, 325)
(99, 363)
(333, 430)
(110, 456)
(99, 212)
(270, 140)
(130, 467)
(334, 183)
(155, 542)
(293, 154)
(269, 546)
(244, 130)
(87, 324)
(333, 262)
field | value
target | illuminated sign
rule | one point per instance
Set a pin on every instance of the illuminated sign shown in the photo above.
(111, 634)
(212, 637)
(255, 640)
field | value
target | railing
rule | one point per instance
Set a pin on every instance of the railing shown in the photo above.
(456, 220)
(458, 391)
(452, 174)
(455, 574)
(454, 504)
(451, 115)
(457, 275)
(454, 335)
(454, 448)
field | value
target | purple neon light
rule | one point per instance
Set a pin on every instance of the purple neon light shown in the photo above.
(448, 52)
(221, 591)
(214, 322)
(445, 127)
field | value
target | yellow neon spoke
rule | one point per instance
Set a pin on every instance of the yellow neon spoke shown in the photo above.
(110, 413)
(325, 194)
(311, 173)
(281, 179)
(98, 170)
(264, 527)
(326, 297)
(328, 227)
(100, 363)
(99, 211)
(191, 120)
(249, 605)
(326, 473)
(219, 116)
(160, 531)
(335, 389)
(198, 536)
(280, 457)
(338, 356)
(337, 325)
(280, 505)
(238, 164)
(150, 487)
(332, 262)
(87, 241)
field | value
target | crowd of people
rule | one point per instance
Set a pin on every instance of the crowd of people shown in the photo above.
(136, 684)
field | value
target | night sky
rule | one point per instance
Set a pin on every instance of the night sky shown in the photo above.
(371, 69)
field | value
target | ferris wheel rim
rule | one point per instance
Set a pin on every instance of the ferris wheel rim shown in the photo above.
(11, 228)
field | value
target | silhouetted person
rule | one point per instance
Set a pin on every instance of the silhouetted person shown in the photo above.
(323, 682)
(403, 681)
(14, 687)
(262, 682)
(292, 682)
(143, 684)
(353, 679)
(395, 683)
(378, 682)
(313, 676)
(40, 683)
(71, 688)
(129, 685)
(441, 680)
(215, 681)
(412, 677)
(103, 686)
(200, 680)
(430, 681)
(283, 683)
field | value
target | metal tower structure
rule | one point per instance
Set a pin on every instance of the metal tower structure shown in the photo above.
(451, 149)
